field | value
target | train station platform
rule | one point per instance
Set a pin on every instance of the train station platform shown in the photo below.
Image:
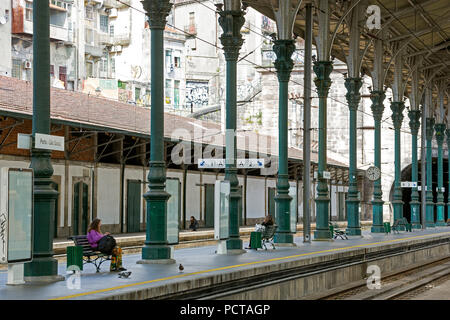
(300, 271)
(187, 238)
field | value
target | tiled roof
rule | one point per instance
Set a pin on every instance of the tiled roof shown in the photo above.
(16, 97)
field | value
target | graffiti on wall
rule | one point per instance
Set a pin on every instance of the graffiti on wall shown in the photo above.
(197, 94)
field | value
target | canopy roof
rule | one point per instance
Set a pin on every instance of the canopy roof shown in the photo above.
(423, 26)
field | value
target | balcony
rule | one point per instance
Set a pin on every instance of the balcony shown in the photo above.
(94, 51)
(59, 33)
(191, 29)
(122, 3)
(108, 4)
(116, 40)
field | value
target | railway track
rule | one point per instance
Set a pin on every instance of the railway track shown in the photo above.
(404, 285)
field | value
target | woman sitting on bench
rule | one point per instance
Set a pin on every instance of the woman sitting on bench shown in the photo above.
(95, 235)
(268, 221)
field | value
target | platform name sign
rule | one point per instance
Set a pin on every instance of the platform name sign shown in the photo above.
(41, 141)
(16, 221)
(240, 163)
(211, 163)
(408, 184)
(250, 163)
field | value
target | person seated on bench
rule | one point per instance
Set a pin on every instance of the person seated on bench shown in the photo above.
(268, 221)
(193, 224)
(94, 235)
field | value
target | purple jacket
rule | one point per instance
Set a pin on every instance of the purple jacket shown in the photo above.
(93, 238)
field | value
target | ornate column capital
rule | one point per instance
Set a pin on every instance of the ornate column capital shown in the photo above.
(414, 121)
(397, 108)
(377, 107)
(41, 163)
(429, 128)
(353, 85)
(157, 12)
(284, 63)
(440, 133)
(231, 22)
(323, 69)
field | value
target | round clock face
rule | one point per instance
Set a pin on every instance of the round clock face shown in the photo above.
(373, 173)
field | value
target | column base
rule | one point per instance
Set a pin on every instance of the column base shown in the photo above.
(234, 244)
(158, 261)
(440, 214)
(159, 253)
(415, 215)
(377, 216)
(283, 238)
(354, 231)
(43, 279)
(377, 229)
(42, 268)
(429, 223)
(353, 225)
(323, 234)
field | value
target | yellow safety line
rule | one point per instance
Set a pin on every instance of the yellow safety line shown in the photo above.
(240, 265)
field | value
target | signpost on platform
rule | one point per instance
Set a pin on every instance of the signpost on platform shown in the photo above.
(408, 184)
(16, 221)
(240, 163)
(41, 141)
(221, 214)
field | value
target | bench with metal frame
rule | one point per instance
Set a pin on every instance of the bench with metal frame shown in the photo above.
(337, 232)
(399, 223)
(90, 255)
(267, 235)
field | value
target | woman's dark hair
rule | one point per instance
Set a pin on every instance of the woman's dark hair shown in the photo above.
(269, 218)
(94, 225)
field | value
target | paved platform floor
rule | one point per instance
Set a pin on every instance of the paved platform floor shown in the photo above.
(196, 262)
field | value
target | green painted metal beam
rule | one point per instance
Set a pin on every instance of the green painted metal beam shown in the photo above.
(353, 85)
(414, 124)
(156, 248)
(440, 205)
(44, 266)
(231, 22)
(284, 65)
(322, 69)
(377, 98)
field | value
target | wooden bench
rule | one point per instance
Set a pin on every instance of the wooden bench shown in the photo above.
(267, 235)
(90, 255)
(336, 232)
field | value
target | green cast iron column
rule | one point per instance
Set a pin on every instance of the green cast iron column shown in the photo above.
(231, 22)
(397, 108)
(284, 65)
(377, 107)
(447, 133)
(43, 267)
(440, 205)
(414, 124)
(429, 192)
(156, 248)
(322, 69)
(353, 97)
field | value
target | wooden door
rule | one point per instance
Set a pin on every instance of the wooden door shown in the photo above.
(133, 205)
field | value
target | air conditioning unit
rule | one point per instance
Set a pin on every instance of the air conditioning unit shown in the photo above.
(27, 64)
